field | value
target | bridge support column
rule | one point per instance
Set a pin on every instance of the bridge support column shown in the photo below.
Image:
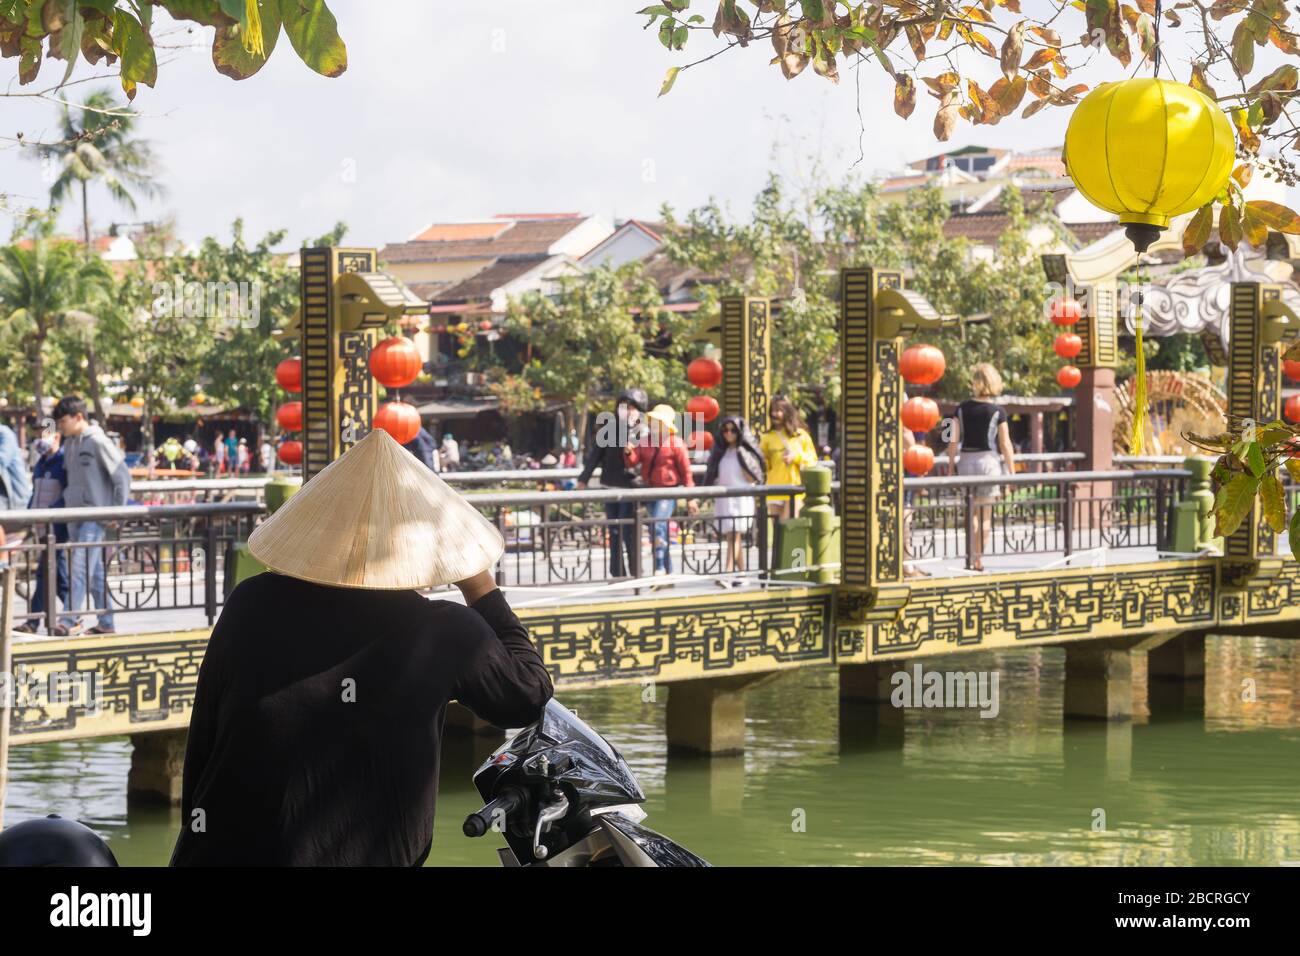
(157, 762)
(707, 716)
(867, 683)
(1098, 682)
(1176, 675)
(868, 720)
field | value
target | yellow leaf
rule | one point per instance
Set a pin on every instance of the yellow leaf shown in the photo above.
(669, 78)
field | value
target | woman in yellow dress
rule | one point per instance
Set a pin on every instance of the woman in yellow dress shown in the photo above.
(787, 447)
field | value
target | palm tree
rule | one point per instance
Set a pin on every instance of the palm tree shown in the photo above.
(43, 283)
(97, 146)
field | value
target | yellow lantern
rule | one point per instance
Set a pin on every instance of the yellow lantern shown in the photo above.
(1149, 150)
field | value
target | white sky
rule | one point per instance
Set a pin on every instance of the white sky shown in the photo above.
(462, 110)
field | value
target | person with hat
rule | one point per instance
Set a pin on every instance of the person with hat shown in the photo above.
(664, 462)
(612, 437)
(317, 721)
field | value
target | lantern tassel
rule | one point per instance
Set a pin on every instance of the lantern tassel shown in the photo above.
(253, 30)
(1137, 439)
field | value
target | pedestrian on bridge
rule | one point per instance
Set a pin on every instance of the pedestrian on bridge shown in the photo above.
(734, 462)
(97, 478)
(49, 481)
(787, 449)
(984, 439)
(606, 453)
(665, 463)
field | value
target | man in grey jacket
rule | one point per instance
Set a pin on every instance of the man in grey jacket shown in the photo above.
(97, 478)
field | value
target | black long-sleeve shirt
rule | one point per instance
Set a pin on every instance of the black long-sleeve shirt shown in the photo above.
(318, 720)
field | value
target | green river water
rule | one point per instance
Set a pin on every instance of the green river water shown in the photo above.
(945, 787)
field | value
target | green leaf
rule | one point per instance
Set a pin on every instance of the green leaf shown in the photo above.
(314, 34)
(228, 53)
(1233, 503)
(1274, 502)
(1254, 459)
(1275, 216)
(1293, 469)
(71, 38)
(1229, 226)
(1293, 534)
(1197, 233)
(135, 50)
(669, 79)
(1270, 435)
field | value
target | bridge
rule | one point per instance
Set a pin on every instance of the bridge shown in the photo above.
(1107, 558)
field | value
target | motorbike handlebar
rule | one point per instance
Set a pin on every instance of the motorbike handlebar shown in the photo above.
(479, 822)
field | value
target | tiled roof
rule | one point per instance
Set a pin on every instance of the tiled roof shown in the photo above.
(1088, 232)
(460, 231)
(982, 228)
(528, 238)
(486, 281)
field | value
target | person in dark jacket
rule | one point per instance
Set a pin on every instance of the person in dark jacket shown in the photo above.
(734, 462)
(624, 430)
(316, 731)
(423, 447)
(49, 481)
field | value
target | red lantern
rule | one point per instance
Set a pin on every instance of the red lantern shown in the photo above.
(704, 372)
(921, 365)
(395, 362)
(291, 452)
(1068, 345)
(399, 419)
(700, 441)
(918, 460)
(920, 414)
(1292, 369)
(289, 416)
(706, 406)
(1066, 311)
(1069, 376)
(1292, 409)
(288, 374)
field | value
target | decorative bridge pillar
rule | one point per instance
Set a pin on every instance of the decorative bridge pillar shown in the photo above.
(875, 313)
(1257, 324)
(346, 302)
(747, 358)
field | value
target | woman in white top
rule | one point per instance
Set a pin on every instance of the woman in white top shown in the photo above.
(734, 462)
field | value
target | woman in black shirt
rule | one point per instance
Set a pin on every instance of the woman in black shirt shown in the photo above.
(317, 722)
(984, 440)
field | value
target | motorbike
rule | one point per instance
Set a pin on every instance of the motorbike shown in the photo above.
(558, 791)
(563, 796)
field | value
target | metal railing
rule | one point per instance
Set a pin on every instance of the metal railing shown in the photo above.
(1064, 513)
(168, 557)
(176, 557)
(160, 557)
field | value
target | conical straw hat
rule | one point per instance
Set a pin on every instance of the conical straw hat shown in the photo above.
(377, 518)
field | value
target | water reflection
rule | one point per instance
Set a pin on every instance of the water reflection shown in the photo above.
(879, 786)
